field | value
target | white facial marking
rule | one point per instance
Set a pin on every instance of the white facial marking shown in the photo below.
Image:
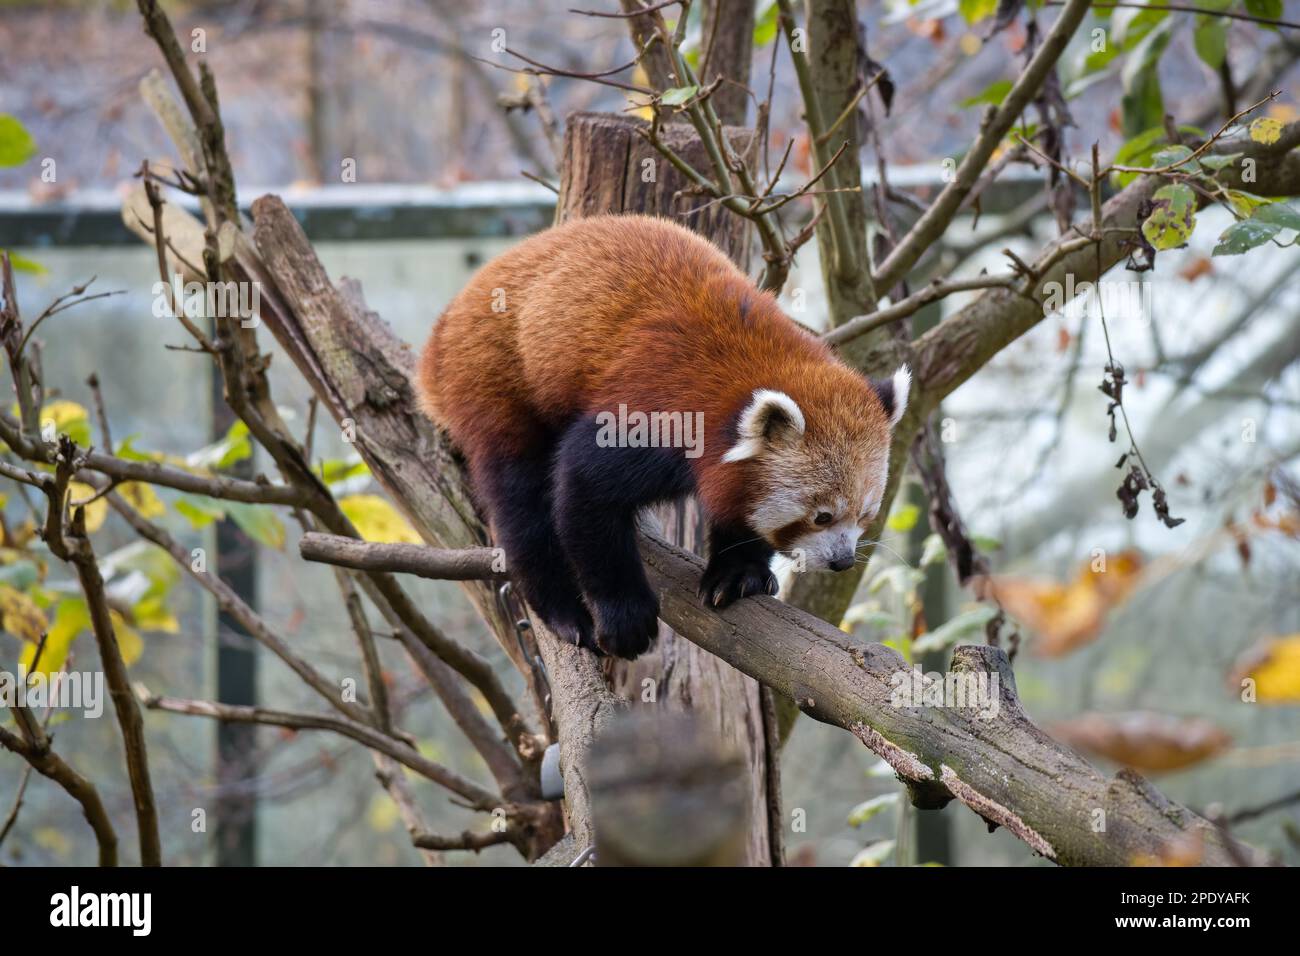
(780, 508)
(837, 542)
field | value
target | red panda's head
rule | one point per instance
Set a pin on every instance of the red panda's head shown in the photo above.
(817, 458)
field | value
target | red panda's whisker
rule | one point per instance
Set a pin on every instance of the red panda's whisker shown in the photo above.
(739, 543)
(881, 544)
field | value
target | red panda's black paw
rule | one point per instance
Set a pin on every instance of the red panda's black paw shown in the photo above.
(568, 619)
(579, 632)
(626, 626)
(725, 584)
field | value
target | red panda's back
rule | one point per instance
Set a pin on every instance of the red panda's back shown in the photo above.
(533, 332)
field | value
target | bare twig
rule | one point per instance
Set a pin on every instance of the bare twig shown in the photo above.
(440, 564)
(119, 689)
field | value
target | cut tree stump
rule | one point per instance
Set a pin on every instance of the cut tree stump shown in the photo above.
(610, 168)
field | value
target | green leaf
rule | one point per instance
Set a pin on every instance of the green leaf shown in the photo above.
(678, 95)
(954, 629)
(985, 544)
(1172, 155)
(1243, 203)
(16, 144)
(873, 855)
(344, 476)
(233, 447)
(199, 510)
(1211, 41)
(1142, 104)
(1245, 235)
(23, 264)
(1278, 213)
(766, 23)
(1173, 218)
(259, 522)
(1216, 162)
(904, 518)
(933, 551)
(1269, 9)
(867, 809)
(994, 93)
(973, 11)
(1131, 25)
(899, 578)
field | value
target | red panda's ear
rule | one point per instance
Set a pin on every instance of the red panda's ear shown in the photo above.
(770, 418)
(893, 393)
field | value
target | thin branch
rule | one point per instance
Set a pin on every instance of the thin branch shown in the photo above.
(933, 292)
(997, 123)
(154, 473)
(232, 604)
(1196, 153)
(50, 765)
(439, 564)
(119, 690)
(1187, 8)
(480, 798)
(466, 840)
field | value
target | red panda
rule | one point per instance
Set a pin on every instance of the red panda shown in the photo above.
(538, 365)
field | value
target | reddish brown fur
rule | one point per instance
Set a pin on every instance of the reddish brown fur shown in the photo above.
(633, 310)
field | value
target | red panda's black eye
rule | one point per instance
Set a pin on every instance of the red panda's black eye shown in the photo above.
(823, 518)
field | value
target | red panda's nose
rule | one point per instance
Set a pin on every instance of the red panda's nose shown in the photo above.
(841, 564)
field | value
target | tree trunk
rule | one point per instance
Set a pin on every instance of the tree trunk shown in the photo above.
(609, 168)
(727, 45)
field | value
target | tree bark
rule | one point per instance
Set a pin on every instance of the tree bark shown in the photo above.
(609, 168)
(726, 50)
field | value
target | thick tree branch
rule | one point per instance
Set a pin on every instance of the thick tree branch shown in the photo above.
(1002, 766)
(963, 343)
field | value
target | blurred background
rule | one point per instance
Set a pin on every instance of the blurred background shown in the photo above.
(398, 93)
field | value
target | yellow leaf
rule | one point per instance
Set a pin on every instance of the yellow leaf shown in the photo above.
(641, 109)
(377, 520)
(68, 418)
(383, 815)
(128, 639)
(152, 614)
(70, 619)
(96, 511)
(1067, 615)
(142, 498)
(63, 413)
(1266, 130)
(20, 616)
(52, 840)
(1146, 741)
(1274, 666)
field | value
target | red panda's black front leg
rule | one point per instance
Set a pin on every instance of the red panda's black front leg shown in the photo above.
(598, 492)
(516, 491)
(739, 566)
